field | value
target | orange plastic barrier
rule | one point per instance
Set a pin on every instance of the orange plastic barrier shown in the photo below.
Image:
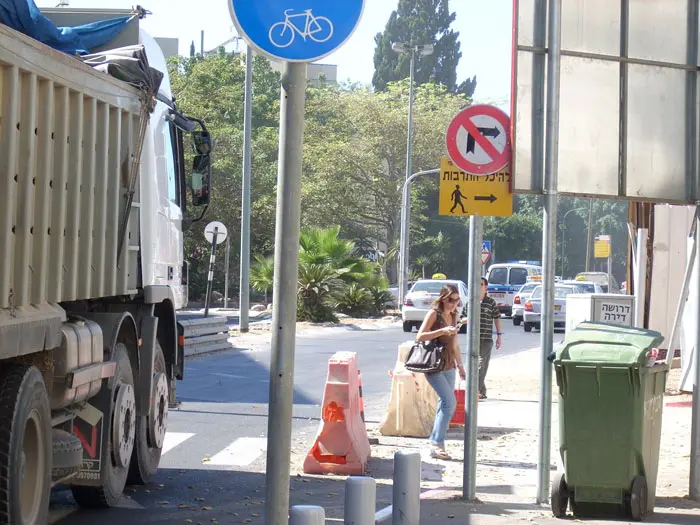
(341, 445)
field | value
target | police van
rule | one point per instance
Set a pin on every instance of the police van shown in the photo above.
(505, 279)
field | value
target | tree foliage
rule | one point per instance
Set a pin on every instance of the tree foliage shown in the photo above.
(418, 22)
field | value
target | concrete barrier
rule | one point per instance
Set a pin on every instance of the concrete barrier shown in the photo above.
(203, 334)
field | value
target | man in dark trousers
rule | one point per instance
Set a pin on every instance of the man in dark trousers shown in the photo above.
(490, 315)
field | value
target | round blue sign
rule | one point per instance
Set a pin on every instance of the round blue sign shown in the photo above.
(296, 30)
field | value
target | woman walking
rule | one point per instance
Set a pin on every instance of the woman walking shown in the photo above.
(441, 323)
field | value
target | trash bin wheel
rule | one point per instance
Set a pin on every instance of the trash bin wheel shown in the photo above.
(638, 498)
(559, 496)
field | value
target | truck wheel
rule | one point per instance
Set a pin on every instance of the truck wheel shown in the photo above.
(527, 327)
(25, 447)
(407, 326)
(120, 442)
(150, 430)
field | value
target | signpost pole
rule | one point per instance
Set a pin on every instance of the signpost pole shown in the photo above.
(473, 315)
(284, 316)
(549, 243)
(210, 277)
(694, 484)
(244, 292)
(226, 270)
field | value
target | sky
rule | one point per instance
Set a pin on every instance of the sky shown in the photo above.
(484, 27)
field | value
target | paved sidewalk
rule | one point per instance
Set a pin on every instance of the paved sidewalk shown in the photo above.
(507, 460)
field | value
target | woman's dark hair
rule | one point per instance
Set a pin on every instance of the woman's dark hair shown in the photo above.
(446, 291)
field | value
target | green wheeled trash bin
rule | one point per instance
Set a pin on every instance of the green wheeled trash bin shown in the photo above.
(610, 407)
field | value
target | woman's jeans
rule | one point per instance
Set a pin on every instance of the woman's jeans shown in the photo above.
(444, 385)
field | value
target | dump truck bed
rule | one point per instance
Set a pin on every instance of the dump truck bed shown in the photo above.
(68, 138)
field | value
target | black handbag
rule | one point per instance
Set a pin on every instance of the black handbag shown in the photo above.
(426, 357)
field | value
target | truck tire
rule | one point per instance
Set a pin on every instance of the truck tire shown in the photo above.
(150, 430)
(25, 447)
(123, 422)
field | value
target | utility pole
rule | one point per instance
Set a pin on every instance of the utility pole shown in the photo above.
(244, 292)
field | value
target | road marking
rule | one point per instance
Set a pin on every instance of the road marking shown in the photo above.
(230, 376)
(240, 453)
(173, 439)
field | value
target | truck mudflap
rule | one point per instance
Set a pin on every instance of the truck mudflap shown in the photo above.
(89, 426)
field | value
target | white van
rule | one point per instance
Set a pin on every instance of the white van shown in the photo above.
(506, 279)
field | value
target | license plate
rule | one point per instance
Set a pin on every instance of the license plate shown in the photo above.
(557, 307)
(499, 295)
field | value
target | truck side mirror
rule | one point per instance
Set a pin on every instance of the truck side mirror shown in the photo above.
(200, 184)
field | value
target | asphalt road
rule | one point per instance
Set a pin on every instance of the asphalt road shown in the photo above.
(213, 465)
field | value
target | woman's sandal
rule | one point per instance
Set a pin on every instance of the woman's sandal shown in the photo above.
(439, 453)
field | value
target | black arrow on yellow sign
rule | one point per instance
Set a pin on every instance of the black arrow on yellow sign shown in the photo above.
(490, 198)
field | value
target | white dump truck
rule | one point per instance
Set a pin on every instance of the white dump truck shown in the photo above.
(95, 199)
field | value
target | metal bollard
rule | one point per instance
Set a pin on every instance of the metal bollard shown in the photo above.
(406, 498)
(307, 515)
(360, 500)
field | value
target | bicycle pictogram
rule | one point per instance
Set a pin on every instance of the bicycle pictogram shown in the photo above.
(317, 28)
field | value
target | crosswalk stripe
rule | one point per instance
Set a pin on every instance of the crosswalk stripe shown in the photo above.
(241, 453)
(173, 439)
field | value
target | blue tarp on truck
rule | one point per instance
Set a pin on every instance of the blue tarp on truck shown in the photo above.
(24, 16)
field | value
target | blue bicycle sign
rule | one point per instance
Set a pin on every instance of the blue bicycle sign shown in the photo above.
(317, 28)
(296, 30)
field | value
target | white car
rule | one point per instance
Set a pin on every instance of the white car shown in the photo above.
(519, 301)
(586, 286)
(533, 307)
(419, 301)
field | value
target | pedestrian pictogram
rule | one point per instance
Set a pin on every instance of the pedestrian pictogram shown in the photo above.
(457, 200)
(485, 252)
(478, 140)
(462, 194)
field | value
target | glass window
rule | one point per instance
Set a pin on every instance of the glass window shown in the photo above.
(499, 276)
(169, 154)
(518, 276)
(560, 292)
(537, 294)
(428, 286)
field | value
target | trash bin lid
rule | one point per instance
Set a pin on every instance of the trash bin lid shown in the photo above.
(608, 344)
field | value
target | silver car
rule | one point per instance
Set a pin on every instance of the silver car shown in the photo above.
(533, 307)
(519, 302)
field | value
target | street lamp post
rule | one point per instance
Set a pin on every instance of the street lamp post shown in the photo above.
(563, 224)
(424, 50)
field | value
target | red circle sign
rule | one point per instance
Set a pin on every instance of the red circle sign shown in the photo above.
(478, 140)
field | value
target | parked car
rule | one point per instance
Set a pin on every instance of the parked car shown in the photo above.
(533, 307)
(519, 301)
(420, 299)
(586, 286)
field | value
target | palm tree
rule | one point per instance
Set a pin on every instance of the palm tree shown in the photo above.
(262, 273)
(423, 261)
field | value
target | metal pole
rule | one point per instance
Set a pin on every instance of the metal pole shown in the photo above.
(227, 267)
(406, 490)
(610, 269)
(562, 246)
(694, 491)
(360, 500)
(201, 43)
(473, 315)
(244, 292)
(406, 215)
(284, 312)
(549, 243)
(404, 250)
(210, 277)
(589, 242)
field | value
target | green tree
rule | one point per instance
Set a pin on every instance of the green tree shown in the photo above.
(419, 22)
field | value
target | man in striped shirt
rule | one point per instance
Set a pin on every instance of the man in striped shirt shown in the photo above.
(490, 315)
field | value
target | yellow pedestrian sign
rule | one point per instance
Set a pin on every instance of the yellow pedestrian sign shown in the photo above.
(462, 194)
